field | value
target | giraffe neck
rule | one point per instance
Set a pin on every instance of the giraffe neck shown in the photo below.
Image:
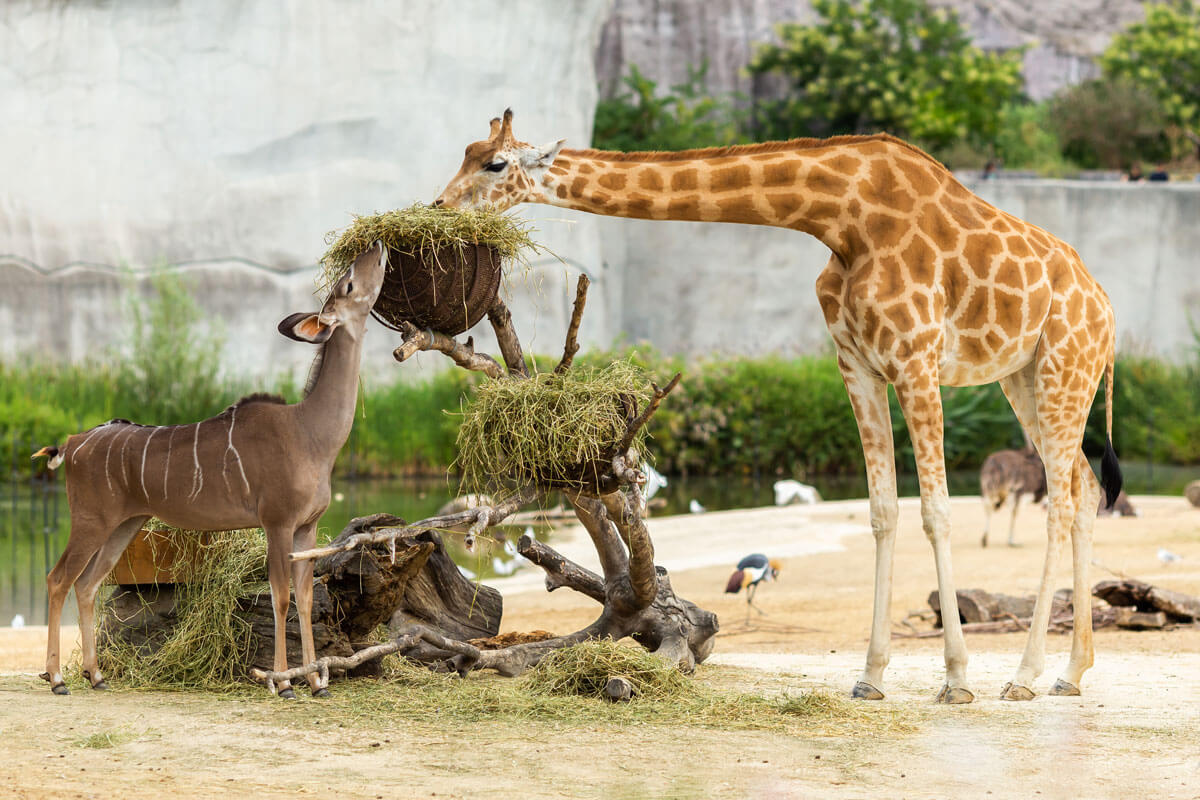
(806, 185)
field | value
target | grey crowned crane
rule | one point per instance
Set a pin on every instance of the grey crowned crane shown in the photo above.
(751, 571)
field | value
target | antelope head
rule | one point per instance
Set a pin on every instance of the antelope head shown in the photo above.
(500, 171)
(349, 301)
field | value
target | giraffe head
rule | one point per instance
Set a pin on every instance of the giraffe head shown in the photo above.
(499, 171)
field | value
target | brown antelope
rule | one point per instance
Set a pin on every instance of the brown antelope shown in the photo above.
(1010, 473)
(260, 462)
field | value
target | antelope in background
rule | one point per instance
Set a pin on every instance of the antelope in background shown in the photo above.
(1010, 473)
(261, 462)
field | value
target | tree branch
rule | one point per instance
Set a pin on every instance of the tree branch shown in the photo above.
(644, 417)
(474, 520)
(560, 570)
(614, 561)
(572, 344)
(463, 354)
(642, 577)
(506, 337)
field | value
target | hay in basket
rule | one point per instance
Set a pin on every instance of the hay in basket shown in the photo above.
(444, 265)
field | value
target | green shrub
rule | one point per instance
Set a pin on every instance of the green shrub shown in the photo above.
(684, 119)
(1109, 124)
(900, 66)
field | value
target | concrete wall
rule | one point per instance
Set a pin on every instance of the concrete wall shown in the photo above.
(228, 137)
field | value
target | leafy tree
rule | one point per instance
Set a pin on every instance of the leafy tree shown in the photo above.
(1109, 124)
(892, 65)
(684, 119)
(1161, 54)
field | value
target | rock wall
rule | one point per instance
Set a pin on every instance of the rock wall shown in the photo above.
(664, 37)
(226, 138)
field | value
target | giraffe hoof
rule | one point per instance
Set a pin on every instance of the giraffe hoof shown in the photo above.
(865, 691)
(287, 694)
(952, 695)
(1012, 691)
(60, 688)
(1063, 689)
(322, 693)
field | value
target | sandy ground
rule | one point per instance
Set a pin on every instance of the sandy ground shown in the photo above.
(1133, 733)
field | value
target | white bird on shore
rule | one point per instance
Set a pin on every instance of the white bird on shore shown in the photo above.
(1167, 557)
(654, 481)
(789, 491)
(516, 561)
(695, 507)
(17, 623)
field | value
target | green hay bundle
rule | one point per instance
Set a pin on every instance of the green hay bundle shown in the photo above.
(208, 645)
(423, 229)
(545, 430)
(584, 669)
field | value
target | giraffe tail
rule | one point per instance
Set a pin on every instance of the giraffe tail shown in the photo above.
(55, 454)
(1110, 470)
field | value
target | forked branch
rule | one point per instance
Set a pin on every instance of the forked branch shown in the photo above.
(572, 344)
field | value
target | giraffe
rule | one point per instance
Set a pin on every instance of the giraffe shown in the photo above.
(927, 285)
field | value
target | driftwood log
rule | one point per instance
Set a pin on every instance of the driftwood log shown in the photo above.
(635, 595)
(1127, 603)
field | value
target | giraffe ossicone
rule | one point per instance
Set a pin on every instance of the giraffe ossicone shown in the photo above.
(927, 285)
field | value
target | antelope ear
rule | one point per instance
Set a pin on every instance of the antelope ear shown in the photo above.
(306, 328)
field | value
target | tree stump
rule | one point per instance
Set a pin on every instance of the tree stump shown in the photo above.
(354, 593)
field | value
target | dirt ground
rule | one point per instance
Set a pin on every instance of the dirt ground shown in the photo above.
(1132, 733)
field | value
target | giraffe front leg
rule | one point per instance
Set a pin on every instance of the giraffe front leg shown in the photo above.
(921, 401)
(868, 396)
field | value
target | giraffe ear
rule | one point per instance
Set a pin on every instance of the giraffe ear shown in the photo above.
(541, 157)
(306, 328)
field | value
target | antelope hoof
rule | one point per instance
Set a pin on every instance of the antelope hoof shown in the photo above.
(57, 688)
(1012, 691)
(952, 695)
(322, 693)
(100, 686)
(287, 694)
(865, 691)
(1063, 689)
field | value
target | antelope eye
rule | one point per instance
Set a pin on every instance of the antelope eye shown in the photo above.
(496, 166)
(349, 287)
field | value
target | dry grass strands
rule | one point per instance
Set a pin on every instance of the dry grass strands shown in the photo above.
(553, 430)
(421, 229)
(209, 640)
(584, 669)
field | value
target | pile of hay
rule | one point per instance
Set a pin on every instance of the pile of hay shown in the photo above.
(549, 430)
(584, 669)
(209, 643)
(424, 230)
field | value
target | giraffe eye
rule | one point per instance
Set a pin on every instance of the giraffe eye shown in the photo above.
(496, 166)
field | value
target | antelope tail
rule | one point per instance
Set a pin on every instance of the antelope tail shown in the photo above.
(1110, 470)
(53, 453)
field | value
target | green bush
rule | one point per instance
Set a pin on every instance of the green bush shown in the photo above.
(1109, 124)
(1161, 54)
(684, 119)
(900, 66)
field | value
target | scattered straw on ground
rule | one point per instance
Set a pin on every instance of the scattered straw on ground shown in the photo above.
(423, 228)
(547, 427)
(209, 642)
